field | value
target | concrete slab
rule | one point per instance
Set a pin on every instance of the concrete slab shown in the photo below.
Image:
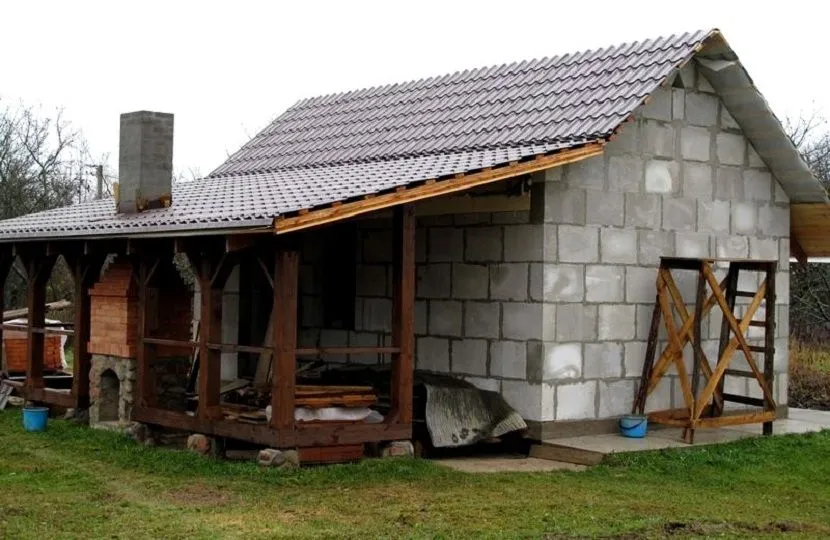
(659, 438)
(512, 463)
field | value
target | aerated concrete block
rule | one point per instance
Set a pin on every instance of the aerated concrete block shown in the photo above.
(433, 354)
(694, 143)
(521, 320)
(713, 216)
(744, 218)
(701, 109)
(560, 361)
(433, 281)
(691, 244)
(616, 322)
(642, 210)
(658, 139)
(576, 322)
(605, 208)
(509, 281)
(654, 244)
(444, 318)
(678, 103)
(782, 287)
(662, 176)
(640, 284)
(763, 248)
(604, 283)
(730, 148)
(697, 180)
(625, 173)
(483, 383)
(758, 185)
(578, 244)
(586, 174)
(483, 244)
(470, 281)
(618, 246)
(446, 244)
(634, 356)
(563, 205)
(532, 401)
(679, 214)
(523, 243)
(603, 360)
(508, 359)
(659, 106)
(469, 356)
(616, 397)
(576, 401)
(563, 283)
(774, 221)
(377, 314)
(481, 319)
(370, 280)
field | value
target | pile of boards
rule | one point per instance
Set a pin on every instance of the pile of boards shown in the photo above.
(313, 397)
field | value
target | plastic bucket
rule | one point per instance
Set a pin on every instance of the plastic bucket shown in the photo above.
(34, 418)
(633, 426)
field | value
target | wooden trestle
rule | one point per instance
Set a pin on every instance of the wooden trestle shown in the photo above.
(705, 407)
(213, 258)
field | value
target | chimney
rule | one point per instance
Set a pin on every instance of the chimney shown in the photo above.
(145, 161)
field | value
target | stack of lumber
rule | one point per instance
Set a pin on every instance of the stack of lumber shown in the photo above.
(317, 397)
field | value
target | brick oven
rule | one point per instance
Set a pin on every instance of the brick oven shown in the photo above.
(113, 344)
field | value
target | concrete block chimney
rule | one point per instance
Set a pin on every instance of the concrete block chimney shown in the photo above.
(145, 161)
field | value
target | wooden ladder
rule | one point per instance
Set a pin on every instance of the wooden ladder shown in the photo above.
(705, 408)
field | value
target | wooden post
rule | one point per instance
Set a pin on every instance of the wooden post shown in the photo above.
(210, 331)
(284, 339)
(769, 342)
(85, 271)
(6, 261)
(145, 385)
(38, 270)
(403, 313)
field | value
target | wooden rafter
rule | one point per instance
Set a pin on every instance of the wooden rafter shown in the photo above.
(433, 189)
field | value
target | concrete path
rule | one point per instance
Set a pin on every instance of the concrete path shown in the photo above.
(658, 438)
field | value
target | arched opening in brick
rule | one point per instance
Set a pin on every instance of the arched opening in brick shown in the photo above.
(110, 394)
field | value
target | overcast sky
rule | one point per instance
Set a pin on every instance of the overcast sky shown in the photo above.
(226, 68)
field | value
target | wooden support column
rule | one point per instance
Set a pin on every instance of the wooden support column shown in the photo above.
(211, 282)
(85, 271)
(284, 340)
(769, 343)
(403, 313)
(6, 261)
(38, 270)
(145, 354)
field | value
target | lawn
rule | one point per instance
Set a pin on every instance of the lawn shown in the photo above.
(72, 482)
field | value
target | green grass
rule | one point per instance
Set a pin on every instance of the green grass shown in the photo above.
(72, 482)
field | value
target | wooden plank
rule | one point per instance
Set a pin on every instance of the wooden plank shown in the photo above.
(170, 342)
(263, 365)
(331, 454)
(669, 323)
(809, 223)
(61, 398)
(734, 420)
(284, 364)
(648, 363)
(453, 185)
(22, 312)
(568, 454)
(403, 314)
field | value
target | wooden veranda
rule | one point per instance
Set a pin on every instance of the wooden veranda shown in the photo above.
(212, 257)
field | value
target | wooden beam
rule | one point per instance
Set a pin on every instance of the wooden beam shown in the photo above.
(403, 314)
(284, 339)
(452, 185)
(346, 350)
(85, 271)
(210, 329)
(145, 385)
(38, 271)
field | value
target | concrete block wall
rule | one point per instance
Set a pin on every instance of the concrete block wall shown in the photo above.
(680, 179)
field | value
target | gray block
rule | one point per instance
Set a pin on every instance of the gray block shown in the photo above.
(697, 180)
(521, 320)
(445, 318)
(659, 106)
(713, 216)
(779, 196)
(626, 140)
(616, 397)
(658, 139)
(679, 214)
(662, 176)
(729, 183)
(549, 245)
(377, 314)
(562, 205)
(377, 246)
(730, 148)
(433, 281)
(370, 280)
(470, 281)
(603, 360)
(483, 244)
(433, 354)
(701, 109)
(578, 244)
(548, 322)
(561, 361)
(513, 217)
(753, 159)
(616, 322)
(782, 287)
(472, 218)
(481, 319)
(536, 289)
(654, 244)
(618, 246)
(469, 356)
(727, 121)
(782, 321)
(634, 355)
(563, 283)
(678, 103)
(604, 283)
(744, 218)
(420, 244)
(509, 281)
(483, 383)
(642, 210)
(446, 244)
(523, 243)
(588, 173)
(640, 284)
(694, 143)
(690, 244)
(774, 221)
(508, 359)
(532, 401)
(763, 248)
(625, 173)
(758, 185)
(576, 401)
(605, 208)
(420, 317)
(576, 322)
(784, 254)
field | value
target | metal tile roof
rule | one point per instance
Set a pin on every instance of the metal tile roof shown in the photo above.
(340, 146)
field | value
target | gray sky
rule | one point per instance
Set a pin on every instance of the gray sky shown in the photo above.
(226, 68)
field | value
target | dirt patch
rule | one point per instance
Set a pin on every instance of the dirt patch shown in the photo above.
(198, 494)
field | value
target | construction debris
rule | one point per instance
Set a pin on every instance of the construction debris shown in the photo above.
(283, 459)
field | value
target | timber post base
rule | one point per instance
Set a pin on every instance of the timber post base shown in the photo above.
(704, 408)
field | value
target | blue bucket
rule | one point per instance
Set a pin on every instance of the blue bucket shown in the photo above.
(633, 426)
(34, 418)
